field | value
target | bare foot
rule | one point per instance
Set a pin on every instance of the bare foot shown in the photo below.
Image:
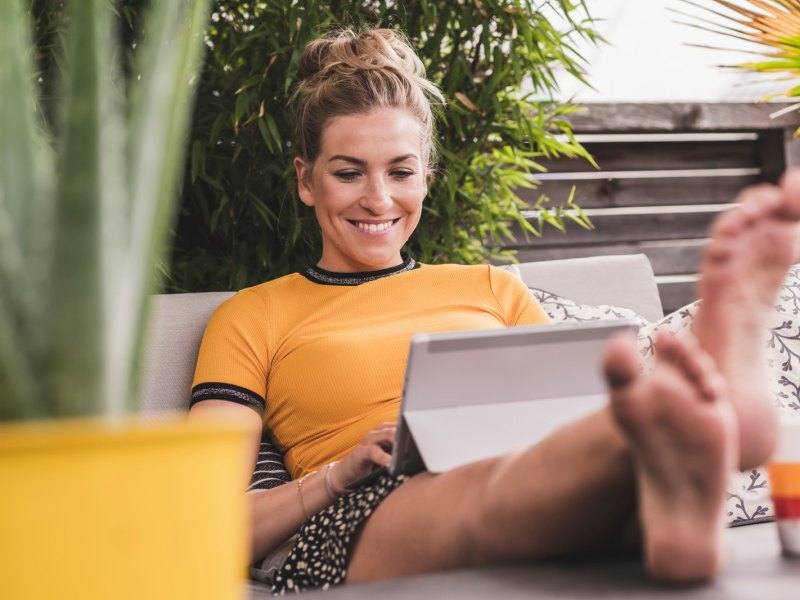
(751, 250)
(683, 436)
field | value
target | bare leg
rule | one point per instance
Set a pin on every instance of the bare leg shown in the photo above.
(752, 247)
(683, 437)
(672, 434)
(572, 493)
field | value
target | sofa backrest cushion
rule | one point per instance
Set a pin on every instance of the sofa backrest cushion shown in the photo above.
(625, 280)
(177, 323)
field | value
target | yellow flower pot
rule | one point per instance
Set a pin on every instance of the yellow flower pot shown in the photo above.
(144, 510)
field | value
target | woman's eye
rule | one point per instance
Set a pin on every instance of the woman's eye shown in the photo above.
(346, 175)
(403, 174)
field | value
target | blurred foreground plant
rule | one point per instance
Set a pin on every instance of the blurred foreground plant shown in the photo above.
(86, 204)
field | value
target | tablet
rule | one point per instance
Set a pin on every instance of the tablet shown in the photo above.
(471, 395)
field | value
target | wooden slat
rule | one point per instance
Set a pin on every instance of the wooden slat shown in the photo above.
(666, 171)
(615, 226)
(771, 154)
(641, 192)
(671, 257)
(614, 156)
(668, 136)
(625, 117)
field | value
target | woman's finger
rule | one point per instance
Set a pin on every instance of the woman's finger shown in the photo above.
(381, 438)
(379, 456)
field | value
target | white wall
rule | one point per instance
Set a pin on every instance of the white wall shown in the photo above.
(647, 58)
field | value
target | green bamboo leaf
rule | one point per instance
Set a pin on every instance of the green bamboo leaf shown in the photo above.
(242, 104)
(219, 122)
(262, 128)
(577, 214)
(273, 129)
(197, 157)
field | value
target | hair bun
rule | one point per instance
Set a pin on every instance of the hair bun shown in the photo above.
(347, 52)
(349, 72)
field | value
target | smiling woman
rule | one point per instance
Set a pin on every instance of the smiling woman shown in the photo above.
(315, 360)
(365, 146)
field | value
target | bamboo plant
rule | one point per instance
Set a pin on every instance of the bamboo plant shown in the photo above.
(86, 204)
(774, 25)
(496, 62)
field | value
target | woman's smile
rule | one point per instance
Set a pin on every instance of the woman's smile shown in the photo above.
(375, 227)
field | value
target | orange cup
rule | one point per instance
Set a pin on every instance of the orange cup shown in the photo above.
(784, 478)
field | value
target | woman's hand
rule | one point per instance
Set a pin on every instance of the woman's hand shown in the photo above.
(374, 451)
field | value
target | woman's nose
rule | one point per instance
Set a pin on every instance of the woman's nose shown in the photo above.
(377, 197)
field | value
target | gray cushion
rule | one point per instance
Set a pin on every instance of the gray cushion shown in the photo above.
(626, 281)
(177, 323)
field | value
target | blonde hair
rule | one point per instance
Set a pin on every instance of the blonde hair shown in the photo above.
(348, 73)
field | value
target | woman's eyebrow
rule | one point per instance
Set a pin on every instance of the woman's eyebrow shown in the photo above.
(362, 163)
(398, 159)
(346, 158)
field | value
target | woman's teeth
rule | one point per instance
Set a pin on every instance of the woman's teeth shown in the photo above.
(374, 227)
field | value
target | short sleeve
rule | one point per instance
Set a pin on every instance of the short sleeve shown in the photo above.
(234, 354)
(517, 303)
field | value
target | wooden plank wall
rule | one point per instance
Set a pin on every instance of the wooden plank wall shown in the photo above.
(666, 170)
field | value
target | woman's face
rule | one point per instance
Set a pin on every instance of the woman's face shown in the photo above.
(366, 186)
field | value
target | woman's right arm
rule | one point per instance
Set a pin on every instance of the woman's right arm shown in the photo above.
(278, 513)
(275, 514)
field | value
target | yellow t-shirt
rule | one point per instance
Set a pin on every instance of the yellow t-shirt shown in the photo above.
(328, 361)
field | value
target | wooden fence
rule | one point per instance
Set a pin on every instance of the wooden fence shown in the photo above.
(665, 171)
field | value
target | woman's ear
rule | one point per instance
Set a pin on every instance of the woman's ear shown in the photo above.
(303, 171)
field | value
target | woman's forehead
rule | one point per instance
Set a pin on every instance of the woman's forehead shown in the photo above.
(381, 133)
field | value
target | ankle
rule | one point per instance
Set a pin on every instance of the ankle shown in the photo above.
(758, 437)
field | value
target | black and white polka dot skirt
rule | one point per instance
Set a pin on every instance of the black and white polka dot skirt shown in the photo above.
(318, 558)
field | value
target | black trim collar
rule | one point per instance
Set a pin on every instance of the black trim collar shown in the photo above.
(318, 275)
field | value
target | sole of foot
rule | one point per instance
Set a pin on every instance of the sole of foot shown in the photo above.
(751, 249)
(683, 436)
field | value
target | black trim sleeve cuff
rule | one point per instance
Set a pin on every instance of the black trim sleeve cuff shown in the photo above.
(227, 391)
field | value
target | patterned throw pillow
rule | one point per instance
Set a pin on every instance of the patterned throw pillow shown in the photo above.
(783, 344)
(748, 492)
(562, 309)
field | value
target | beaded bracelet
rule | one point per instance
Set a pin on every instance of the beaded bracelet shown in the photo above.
(300, 493)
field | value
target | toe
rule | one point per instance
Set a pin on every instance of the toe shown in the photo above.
(697, 366)
(621, 361)
(754, 203)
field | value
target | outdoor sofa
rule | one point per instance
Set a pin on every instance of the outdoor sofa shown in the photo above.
(756, 568)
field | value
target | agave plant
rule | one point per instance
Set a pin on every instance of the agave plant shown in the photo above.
(772, 24)
(85, 205)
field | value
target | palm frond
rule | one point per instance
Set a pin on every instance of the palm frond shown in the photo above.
(772, 25)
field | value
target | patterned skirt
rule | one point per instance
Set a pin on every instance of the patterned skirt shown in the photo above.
(318, 558)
